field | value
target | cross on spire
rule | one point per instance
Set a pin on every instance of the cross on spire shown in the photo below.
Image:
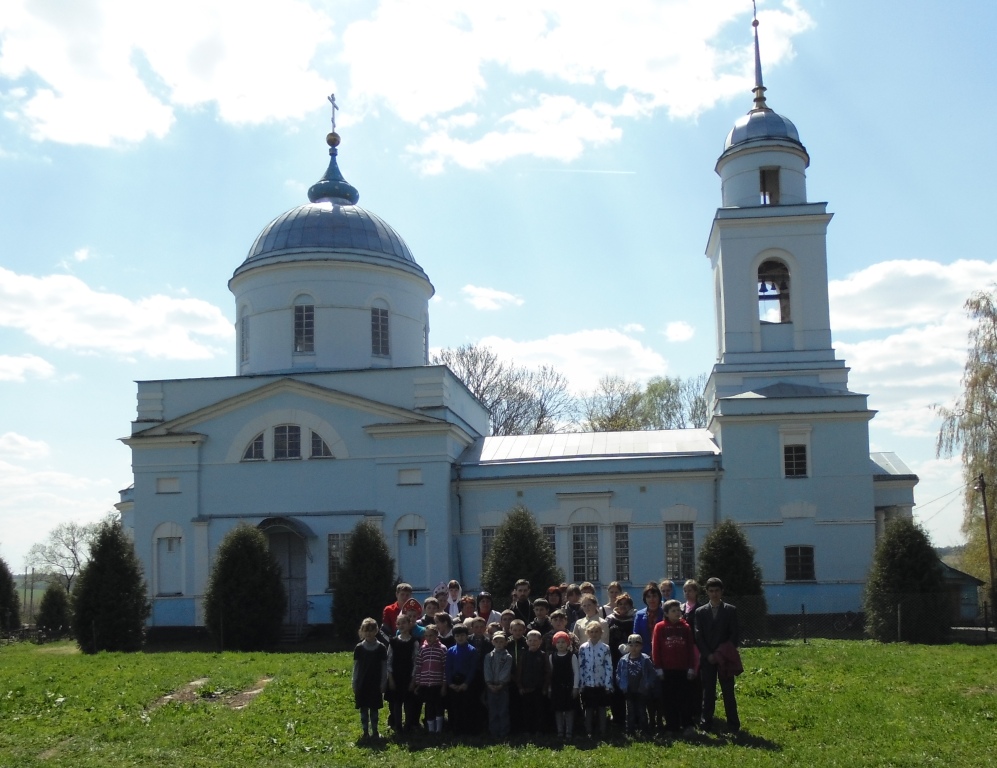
(332, 101)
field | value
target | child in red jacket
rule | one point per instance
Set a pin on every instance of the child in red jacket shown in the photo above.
(673, 656)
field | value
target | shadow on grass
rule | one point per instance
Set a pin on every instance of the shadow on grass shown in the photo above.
(422, 741)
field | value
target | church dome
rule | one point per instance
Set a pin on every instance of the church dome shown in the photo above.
(762, 124)
(330, 226)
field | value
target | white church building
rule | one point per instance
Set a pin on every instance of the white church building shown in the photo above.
(335, 416)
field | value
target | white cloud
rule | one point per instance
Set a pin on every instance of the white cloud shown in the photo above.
(584, 356)
(62, 311)
(112, 71)
(13, 445)
(897, 293)
(633, 328)
(81, 254)
(19, 367)
(594, 68)
(558, 77)
(489, 298)
(679, 330)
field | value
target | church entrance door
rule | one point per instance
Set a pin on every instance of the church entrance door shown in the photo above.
(289, 550)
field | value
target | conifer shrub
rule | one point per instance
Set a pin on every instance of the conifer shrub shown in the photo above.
(366, 581)
(905, 596)
(727, 555)
(53, 612)
(245, 601)
(109, 604)
(519, 551)
(10, 603)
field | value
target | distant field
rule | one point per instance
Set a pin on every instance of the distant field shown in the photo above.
(826, 703)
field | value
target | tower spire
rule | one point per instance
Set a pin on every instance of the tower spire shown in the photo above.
(332, 185)
(759, 89)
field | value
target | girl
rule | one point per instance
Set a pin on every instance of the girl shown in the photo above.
(370, 676)
(563, 684)
(429, 678)
(595, 677)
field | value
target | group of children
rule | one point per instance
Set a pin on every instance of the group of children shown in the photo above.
(529, 669)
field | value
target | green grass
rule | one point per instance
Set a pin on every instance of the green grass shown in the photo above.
(825, 703)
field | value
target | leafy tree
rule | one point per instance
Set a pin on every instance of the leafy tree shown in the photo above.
(64, 551)
(109, 604)
(53, 612)
(366, 580)
(519, 400)
(10, 604)
(245, 601)
(520, 551)
(727, 555)
(972, 424)
(907, 575)
(620, 405)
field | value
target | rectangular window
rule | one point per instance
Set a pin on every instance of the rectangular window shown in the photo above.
(680, 551)
(794, 459)
(304, 328)
(337, 550)
(800, 564)
(769, 184)
(167, 485)
(550, 533)
(287, 442)
(487, 540)
(585, 553)
(379, 332)
(622, 552)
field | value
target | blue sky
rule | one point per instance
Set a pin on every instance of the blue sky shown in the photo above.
(550, 164)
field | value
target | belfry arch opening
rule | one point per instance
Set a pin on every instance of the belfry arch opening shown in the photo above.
(773, 292)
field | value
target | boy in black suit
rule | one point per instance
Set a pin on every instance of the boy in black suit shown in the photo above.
(715, 625)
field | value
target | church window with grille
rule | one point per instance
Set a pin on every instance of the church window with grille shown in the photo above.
(379, 332)
(304, 328)
(287, 442)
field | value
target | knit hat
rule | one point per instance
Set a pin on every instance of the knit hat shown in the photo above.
(562, 636)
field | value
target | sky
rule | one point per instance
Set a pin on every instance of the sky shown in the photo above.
(550, 165)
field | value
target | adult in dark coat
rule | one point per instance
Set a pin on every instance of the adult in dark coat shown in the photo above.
(716, 624)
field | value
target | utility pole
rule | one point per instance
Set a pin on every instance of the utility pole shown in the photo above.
(981, 486)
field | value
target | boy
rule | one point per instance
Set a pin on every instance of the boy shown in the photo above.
(532, 680)
(516, 646)
(540, 610)
(389, 616)
(716, 625)
(402, 652)
(444, 623)
(635, 675)
(498, 674)
(461, 670)
(672, 653)
(430, 607)
(559, 623)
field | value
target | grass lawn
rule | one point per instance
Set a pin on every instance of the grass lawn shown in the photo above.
(825, 703)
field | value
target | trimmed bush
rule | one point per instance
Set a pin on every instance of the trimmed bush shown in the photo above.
(53, 611)
(10, 603)
(245, 601)
(520, 551)
(366, 581)
(109, 604)
(727, 555)
(905, 596)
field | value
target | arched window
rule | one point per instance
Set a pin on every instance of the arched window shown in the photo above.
(773, 292)
(304, 325)
(379, 330)
(320, 449)
(254, 451)
(244, 336)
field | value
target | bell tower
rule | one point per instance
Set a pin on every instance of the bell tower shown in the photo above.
(767, 247)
